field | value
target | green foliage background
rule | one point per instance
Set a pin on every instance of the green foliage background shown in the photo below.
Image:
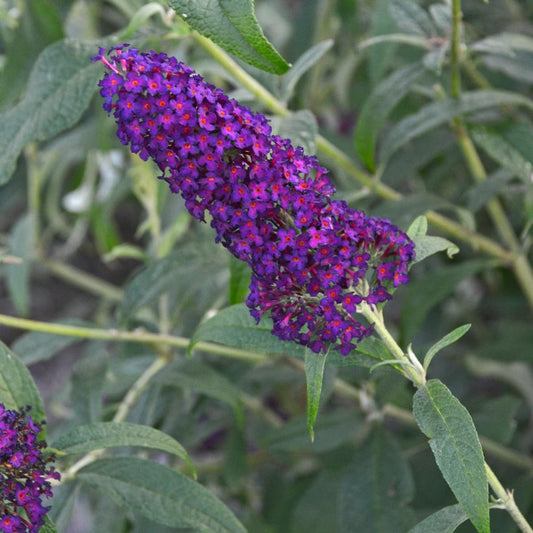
(92, 241)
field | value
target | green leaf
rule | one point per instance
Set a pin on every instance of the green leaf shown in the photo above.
(418, 228)
(140, 17)
(331, 430)
(402, 211)
(502, 152)
(301, 128)
(310, 513)
(239, 281)
(481, 193)
(38, 26)
(517, 67)
(200, 377)
(428, 245)
(367, 352)
(36, 346)
(160, 494)
(377, 487)
(452, 337)
(411, 18)
(232, 25)
(496, 418)
(60, 88)
(314, 375)
(446, 520)
(443, 111)
(504, 43)
(234, 326)
(21, 244)
(17, 388)
(128, 251)
(48, 526)
(100, 435)
(87, 384)
(456, 447)
(307, 60)
(62, 504)
(377, 107)
(178, 271)
(430, 289)
(381, 56)
(400, 38)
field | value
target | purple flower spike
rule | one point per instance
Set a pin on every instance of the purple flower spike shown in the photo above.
(313, 259)
(24, 474)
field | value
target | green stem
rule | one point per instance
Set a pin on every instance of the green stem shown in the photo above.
(507, 499)
(129, 336)
(340, 386)
(412, 369)
(455, 51)
(474, 74)
(34, 191)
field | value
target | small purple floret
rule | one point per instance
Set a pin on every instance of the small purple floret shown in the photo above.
(313, 259)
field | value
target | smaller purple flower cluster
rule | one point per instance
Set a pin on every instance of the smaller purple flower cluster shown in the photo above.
(313, 259)
(24, 474)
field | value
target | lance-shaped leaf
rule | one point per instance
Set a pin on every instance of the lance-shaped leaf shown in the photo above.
(378, 106)
(314, 375)
(452, 337)
(60, 88)
(376, 488)
(17, 387)
(443, 111)
(456, 447)
(232, 25)
(446, 520)
(100, 435)
(160, 494)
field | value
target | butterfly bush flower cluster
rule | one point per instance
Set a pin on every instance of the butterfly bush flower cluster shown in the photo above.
(313, 258)
(24, 474)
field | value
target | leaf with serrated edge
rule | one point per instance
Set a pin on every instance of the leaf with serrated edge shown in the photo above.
(232, 25)
(100, 435)
(160, 494)
(446, 520)
(452, 337)
(456, 447)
